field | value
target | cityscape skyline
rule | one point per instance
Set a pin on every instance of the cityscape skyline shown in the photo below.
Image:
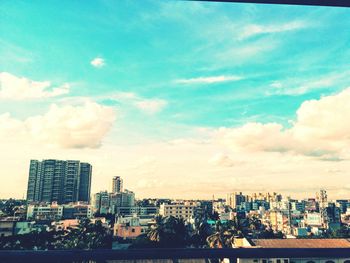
(181, 99)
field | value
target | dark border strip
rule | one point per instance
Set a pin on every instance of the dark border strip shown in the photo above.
(130, 254)
(338, 3)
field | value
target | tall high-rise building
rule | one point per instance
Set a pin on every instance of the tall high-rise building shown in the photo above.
(235, 199)
(85, 182)
(117, 184)
(59, 181)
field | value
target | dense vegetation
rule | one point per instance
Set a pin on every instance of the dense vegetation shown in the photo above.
(170, 232)
(166, 232)
(86, 236)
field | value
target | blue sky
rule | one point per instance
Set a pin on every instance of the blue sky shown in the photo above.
(169, 69)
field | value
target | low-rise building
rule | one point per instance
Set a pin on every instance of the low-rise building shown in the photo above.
(294, 243)
(130, 227)
(300, 231)
(279, 221)
(65, 224)
(45, 212)
(184, 210)
(56, 212)
(313, 219)
(7, 228)
(137, 210)
(26, 227)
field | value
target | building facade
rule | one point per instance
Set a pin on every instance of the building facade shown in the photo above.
(122, 199)
(179, 210)
(117, 184)
(59, 181)
(235, 199)
(101, 202)
(58, 212)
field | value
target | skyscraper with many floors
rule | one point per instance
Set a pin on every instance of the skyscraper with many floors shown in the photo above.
(117, 184)
(59, 181)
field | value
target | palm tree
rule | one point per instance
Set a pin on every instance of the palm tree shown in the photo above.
(201, 232)
(168, 232)
(223, 236)
(215, 240)
(155, 234)
(254, 223)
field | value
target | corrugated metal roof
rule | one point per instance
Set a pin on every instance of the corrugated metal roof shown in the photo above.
(303, 243)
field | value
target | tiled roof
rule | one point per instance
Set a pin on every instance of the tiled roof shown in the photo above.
(302, 243)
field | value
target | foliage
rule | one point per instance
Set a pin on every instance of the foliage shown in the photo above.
(198, 237)
(10, 206)
(166, 232)
(224, 234)
(85, 236)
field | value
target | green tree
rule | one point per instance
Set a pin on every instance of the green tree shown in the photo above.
(86, 236)
(223, 236)
(165, 232)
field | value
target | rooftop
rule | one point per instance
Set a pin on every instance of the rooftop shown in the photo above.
(302, 243)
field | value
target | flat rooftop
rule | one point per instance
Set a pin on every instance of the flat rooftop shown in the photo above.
(302, 243)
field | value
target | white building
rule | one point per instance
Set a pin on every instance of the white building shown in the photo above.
(179, 210)
(58, 212)
(313, 219)
(45, 212)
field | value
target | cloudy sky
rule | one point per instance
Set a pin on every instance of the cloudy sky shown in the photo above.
(181, 99)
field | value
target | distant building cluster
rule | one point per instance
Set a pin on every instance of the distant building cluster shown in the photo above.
(311, 216)
(58, 196)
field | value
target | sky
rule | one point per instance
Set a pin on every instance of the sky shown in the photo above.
(181, 99)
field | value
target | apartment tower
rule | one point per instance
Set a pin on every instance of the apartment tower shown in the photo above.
(117, 184)
(59, 181)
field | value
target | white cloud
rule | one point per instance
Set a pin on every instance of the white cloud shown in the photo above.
(223, 160)
(252, 30)
(97, 62)
(295, 87)
(20, 88)
(9, 125)
(255, 137)
(67, 126)
(208, 80)
(151, 106)
(124, 95)
(244, 52)
(321, 129)
(276, 84)
(146, 105)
